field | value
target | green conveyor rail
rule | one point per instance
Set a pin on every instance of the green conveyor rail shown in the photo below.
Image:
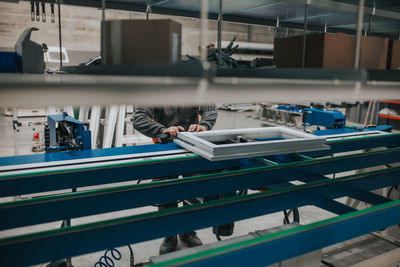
(153, 161)
(103, 166)
(209, 204)
(258, 240)
(112, 190)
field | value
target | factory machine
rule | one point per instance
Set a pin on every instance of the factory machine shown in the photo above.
(319, 121)
(227, 162)
(64, 133)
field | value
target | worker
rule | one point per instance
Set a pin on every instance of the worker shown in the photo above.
(153, 122)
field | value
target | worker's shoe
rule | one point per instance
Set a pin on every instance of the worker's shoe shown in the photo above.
(169, 244)
(190, 239)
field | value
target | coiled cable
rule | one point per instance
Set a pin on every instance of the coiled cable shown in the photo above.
(107, 260)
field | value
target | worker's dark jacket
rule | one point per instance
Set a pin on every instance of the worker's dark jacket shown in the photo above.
(152, 121)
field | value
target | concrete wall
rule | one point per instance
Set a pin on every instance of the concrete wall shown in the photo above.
(81, 29)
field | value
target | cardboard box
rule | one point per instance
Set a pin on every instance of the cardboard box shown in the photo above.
(288, 51)
(142, 41)
(330, 50)
(374, 51)
(394, 55)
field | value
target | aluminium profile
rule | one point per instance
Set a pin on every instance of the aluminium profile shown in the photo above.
(206, 144)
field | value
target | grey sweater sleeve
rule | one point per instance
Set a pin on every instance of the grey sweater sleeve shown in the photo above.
(143, 121)
(208, 115)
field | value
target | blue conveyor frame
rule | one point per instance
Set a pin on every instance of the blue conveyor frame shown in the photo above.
(225, 176)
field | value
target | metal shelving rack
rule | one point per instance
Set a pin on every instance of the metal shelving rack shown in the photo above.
(201, 86)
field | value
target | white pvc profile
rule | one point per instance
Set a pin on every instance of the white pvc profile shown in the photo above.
(210, 144)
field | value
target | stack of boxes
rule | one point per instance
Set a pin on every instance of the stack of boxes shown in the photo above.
(336, 50)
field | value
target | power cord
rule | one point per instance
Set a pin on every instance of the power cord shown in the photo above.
(106, 260)
(132, 259)
(112, 254)
(296, 216)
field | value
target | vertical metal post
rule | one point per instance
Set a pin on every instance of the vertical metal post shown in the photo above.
(358, 36)
(219, 33)
(303, 57)
(203, 31)
(103, 31)
(59, 31)
(67, 223)
(203, 83)
(249, 33)
(368, 30)
(370, 19)
(147, 12)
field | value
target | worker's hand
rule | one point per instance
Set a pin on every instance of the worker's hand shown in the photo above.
(173, 130)
(197, 128)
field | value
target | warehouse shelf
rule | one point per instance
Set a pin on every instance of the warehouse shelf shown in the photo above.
(330, 14)
(157, 83)
(389, 117)
(390, 101)
(30, 89)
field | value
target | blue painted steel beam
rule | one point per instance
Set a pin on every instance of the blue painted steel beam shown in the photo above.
(47, 182)
(273, 248)
(358, 143)
(334, 206)
(42, 182)
(72, 205)
(371, 198)
(89, 154)
(76, 240)
(362, 195)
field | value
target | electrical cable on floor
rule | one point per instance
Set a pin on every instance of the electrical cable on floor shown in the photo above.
(131, 259)
(327, 263)
(106, 260)
(218, 237)
(286, 219)
(296, 216)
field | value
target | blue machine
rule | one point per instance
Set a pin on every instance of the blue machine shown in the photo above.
(335, 122)
(64, 133)
(331, 119)
(289, 108)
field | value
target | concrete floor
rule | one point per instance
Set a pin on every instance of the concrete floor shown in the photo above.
(147, 249)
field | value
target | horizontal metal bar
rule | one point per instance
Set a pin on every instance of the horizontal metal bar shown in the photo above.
(69, 205)
(40, 182)
(334, 206)
(86, 203)
(37, 90)
(265, 161)
(371, 198)
(358, 143)
(133, 229)
(347, 8)
(147, 169)
(290, 243)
